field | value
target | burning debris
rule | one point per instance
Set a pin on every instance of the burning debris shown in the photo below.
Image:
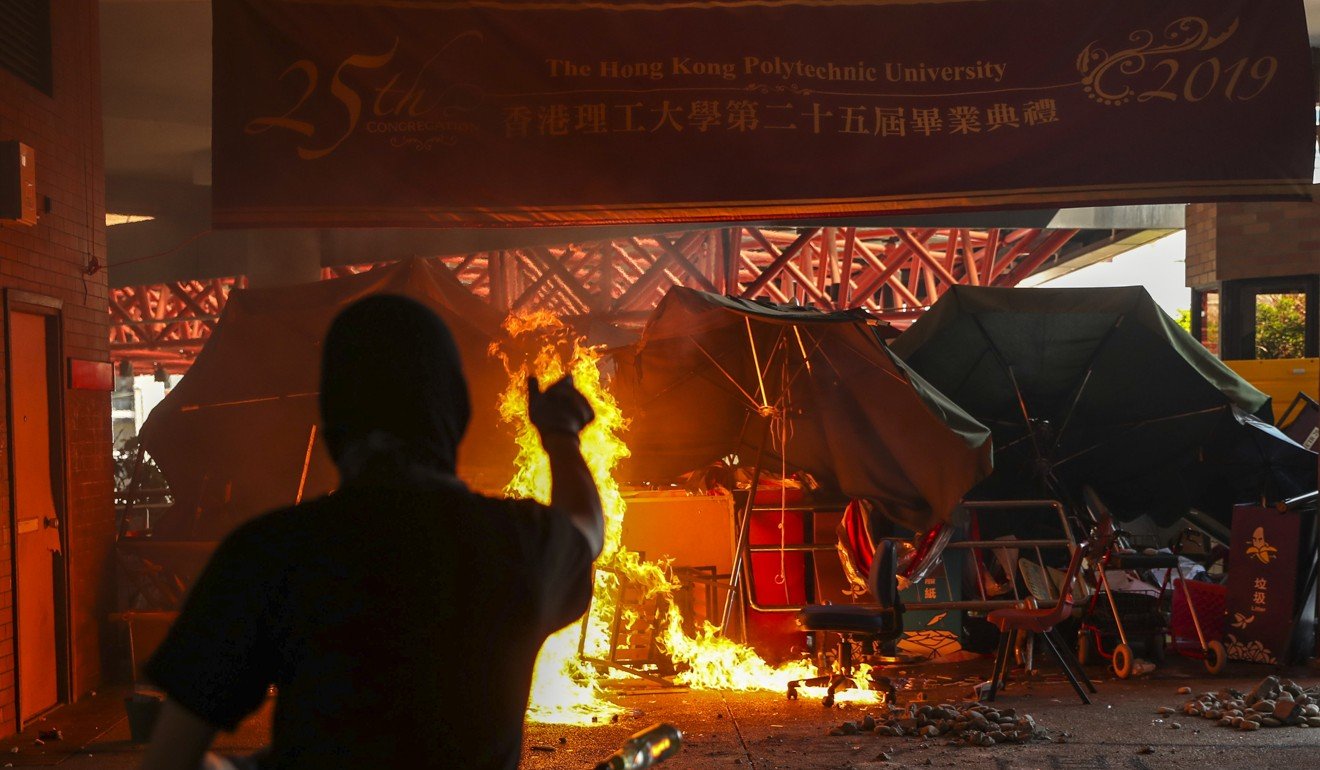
(968, 723)
(1274, 702)
(565, 689)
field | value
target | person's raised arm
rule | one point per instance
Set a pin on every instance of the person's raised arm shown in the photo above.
(559, 413)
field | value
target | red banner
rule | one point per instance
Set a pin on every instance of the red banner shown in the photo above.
(340, 113)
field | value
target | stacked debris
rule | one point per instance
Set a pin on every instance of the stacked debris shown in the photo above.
(970, 723)
(1274, 702)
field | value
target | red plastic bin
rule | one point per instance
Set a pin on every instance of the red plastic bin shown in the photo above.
(1209, 600)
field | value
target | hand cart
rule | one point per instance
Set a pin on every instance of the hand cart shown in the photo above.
(1143, 612)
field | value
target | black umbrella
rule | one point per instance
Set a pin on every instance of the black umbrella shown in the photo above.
(817, 392)
(1251, 461)
(240, 434)
(1079, 386)
(713, 374)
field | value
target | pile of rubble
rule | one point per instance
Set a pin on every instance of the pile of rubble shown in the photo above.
(1274, 702)
(973, 724)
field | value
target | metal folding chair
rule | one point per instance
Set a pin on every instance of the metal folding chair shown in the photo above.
(1041, 622)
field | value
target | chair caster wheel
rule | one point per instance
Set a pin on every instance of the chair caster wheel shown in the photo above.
(828, 702)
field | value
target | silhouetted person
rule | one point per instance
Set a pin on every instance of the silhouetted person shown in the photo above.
(400, 616)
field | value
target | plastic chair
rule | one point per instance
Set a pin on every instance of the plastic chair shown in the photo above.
(866, 624)
(1041, 622)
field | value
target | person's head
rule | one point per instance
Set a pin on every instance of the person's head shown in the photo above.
(391, 374)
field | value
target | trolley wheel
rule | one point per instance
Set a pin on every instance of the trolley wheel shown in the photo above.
(1155, 648)
(1123, 661)
(1215, 656)
(1086, 651)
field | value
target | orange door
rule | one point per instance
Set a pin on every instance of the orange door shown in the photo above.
(36, 521)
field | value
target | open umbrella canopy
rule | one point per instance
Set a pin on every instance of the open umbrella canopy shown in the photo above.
(715, 376)
(1080, 386)
(239, 434)
(1251, 461)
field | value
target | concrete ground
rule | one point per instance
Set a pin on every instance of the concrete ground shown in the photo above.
(765, 731)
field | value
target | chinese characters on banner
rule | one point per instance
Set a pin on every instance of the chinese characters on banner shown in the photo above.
(504, 113)
(744, 116)
(1262, 583)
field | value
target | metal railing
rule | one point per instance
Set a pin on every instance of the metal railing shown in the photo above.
(982, 603)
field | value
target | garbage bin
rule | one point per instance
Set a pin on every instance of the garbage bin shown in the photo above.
(143, 710)
(1270, 613)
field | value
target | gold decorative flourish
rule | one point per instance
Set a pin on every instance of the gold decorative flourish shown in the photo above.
(1242, 621)
(791, 88)
(1100, 68)
(423, 145)
(1252, 652)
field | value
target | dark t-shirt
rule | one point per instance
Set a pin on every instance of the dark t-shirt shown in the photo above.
(399, 626)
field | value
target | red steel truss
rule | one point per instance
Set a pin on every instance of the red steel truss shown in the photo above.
(166, 323)
(894, 273)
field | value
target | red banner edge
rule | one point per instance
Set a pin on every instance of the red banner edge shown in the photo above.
(1296, 190)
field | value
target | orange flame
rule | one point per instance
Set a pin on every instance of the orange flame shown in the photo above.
(565, 689)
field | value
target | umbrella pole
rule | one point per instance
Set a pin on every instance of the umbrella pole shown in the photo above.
(1086, 380)
(1012, 379)
(744, 527)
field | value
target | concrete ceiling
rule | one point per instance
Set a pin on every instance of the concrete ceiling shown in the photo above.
(156, 87)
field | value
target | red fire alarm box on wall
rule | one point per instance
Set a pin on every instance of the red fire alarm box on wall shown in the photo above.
(18, 183)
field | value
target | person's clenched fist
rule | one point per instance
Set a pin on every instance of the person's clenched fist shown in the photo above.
(560, 408)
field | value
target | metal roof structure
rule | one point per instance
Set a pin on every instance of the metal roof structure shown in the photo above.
(171, 272)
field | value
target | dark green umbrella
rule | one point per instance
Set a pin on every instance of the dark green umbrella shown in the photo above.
(714, 376)
(1080, 386)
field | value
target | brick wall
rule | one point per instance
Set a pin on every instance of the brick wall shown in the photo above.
(1231, 241)
(1201, 224)
(49, 259)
